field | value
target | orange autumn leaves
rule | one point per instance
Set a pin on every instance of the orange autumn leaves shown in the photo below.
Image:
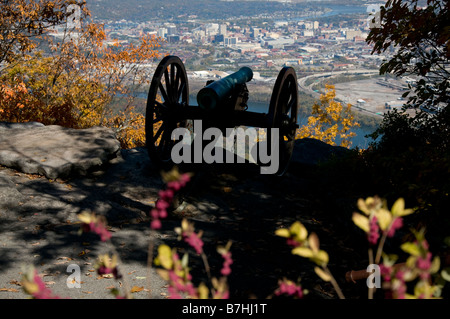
(330, 120)
(77, 80)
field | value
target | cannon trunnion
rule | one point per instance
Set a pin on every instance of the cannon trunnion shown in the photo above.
(221, 104)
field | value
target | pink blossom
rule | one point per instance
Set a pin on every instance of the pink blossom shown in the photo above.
(386, 272)
(292, 242)
(289, 288)
(400, 292)
(173, 293)
(396, 224)
(190, 289)
(166, 195)
(165, 199)
(373, 234)
(424, 263)
(222, 295)
(195, 242)
(163, 214)
(154, 213)
(184, 179)
(226, 270)
(99, 228)
(400, 275)
(162, 205)
(43, 292)
(175, 185)
(103, 270)
(156, 224)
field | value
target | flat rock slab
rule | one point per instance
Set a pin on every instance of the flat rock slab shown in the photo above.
(55, 151)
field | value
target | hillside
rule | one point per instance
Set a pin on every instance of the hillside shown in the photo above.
(138, 11)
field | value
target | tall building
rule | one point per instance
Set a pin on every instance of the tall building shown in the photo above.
(211, 29)
(223, 30)
(171, 29)
(255, 32)
(162, 32)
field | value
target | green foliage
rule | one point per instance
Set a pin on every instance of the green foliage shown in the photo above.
(412, 159)
(422, 39)
(412, 156)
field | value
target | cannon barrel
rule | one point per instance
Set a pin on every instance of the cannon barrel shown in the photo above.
(217, 92)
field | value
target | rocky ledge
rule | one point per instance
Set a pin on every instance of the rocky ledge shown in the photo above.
(55, 151)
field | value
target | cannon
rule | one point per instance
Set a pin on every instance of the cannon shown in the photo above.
(221, 104)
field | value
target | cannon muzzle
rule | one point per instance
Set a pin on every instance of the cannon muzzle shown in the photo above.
(219, 91)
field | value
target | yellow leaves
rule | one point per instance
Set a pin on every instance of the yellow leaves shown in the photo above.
(398, 209)
(87, 217)
(107, 261)
(361, 221)
(384, 219)
(297, 231)
(374, 207)
(74, 87)
(307, 247)
(164, 258)
(322, 274)
(303, 252)
(129, 127)
(224, 249)
(329, 120)
(203, 291)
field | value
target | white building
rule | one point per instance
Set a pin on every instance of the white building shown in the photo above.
(162, 32)
(223, 30)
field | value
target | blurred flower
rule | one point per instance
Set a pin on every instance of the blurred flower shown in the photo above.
(377, 217)
(289, 288)
(311, 250)
(226, 255)
(296, 234)
(174, 182)
(34, 285)
(95, 224)
(187, 233)
(107, 265)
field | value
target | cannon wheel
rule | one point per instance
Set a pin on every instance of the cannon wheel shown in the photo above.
(169, 91)
(283, 115)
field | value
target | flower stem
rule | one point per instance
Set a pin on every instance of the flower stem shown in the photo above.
(125, 281)
(380, 248)
(151, 245)
(334, 282)
(371, 290)
(207, 268)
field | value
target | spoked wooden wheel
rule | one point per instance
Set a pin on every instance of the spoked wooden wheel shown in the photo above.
(167, 95)
(283, 115)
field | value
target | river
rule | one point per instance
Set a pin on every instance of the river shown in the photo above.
(359, 140)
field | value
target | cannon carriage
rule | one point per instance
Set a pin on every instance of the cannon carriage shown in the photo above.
(221, 104)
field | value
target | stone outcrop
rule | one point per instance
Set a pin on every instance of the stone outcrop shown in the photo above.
(312, 152)
(55, 151)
